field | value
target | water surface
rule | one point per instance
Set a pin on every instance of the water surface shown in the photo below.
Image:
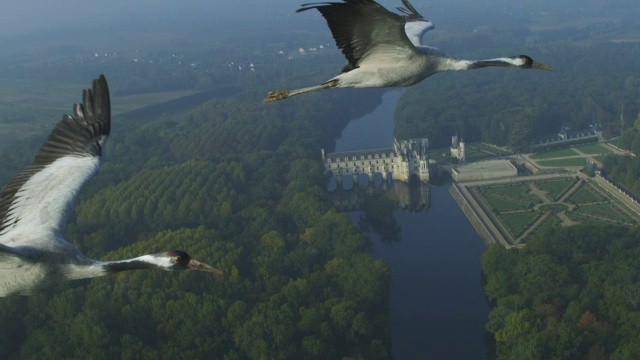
(438, 308)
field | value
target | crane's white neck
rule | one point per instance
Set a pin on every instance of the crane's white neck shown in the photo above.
(100, 268)
(454, 64)
(138, 263)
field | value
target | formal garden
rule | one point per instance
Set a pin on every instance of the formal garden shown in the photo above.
(525, 208)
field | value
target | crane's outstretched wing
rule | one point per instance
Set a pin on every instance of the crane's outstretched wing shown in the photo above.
(38, 200)
(359, 26)
(416, 25)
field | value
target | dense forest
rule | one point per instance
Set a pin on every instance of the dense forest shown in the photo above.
(238, 185)
(569, 294)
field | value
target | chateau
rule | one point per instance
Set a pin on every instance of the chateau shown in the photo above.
(407, 158)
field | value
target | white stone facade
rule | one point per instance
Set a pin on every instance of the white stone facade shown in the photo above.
(406, 158)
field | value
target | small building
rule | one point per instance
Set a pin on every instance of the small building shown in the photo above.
(566, 137)
(484, 170)
(457, 149)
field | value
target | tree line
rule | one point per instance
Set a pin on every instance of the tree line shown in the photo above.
(571, 293)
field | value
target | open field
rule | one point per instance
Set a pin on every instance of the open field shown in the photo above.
(578, 161)
(520, 221)
(487, 150)
(603, 212)
(555, 189)
(554, 154)
(593, 149)
(585, 195)
(28, 113)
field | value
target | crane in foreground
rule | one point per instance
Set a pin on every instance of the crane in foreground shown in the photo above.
(35, 205)
(384, 49)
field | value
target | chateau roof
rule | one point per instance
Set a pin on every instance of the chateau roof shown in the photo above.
(359, 153)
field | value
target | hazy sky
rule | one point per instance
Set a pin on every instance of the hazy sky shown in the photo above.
(20, 17)
(28, 16)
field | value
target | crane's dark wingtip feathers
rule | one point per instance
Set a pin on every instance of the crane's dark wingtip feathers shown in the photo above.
(320, 5)
(80, 134)
(102, 102)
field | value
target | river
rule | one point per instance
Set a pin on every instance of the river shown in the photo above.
(438, 308)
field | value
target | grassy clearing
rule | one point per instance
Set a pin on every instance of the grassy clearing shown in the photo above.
(607, 211)
(508, 198)
(517, 223)
(593, 149)
(586, 194)
(501, 205)
(440, 154)
(554, 208)
(555, 189)
(563, 162)
(124, 104)
(549, 223)
(585, 219)
(555, 154)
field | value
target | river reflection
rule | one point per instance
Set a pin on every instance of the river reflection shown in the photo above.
(438, 309)
(411, 198)
(377, 204)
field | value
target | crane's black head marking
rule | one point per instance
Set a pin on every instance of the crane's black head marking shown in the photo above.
(528, 62)
(181, 258)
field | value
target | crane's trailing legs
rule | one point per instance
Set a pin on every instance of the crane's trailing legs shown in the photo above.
(283, 94)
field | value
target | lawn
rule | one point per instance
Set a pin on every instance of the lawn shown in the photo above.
(607, 211)
(563, 162)
(550, 222)
(502, 204)
(586, 194)
(585, 219)
(593, 149)
(555, 189)
(519, 222)
(554, 154)
(508, 198)
(490, 149)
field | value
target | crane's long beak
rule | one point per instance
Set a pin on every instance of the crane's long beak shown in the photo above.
(199, 266)
(537, 65)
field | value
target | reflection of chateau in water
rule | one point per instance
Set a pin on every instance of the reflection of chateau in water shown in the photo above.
(410, 197)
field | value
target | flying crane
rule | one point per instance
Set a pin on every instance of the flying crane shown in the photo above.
(35, 205)
(384, 49)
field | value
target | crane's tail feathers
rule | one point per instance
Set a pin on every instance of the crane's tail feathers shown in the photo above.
(283, 94)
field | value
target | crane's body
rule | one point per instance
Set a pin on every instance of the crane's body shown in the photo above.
(35, 205)
(384, 49)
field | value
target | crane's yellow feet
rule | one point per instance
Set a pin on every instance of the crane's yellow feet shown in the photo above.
(276, 95)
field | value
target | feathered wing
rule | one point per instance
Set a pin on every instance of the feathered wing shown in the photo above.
(416, 25)
(359, 26)
(38, 200)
